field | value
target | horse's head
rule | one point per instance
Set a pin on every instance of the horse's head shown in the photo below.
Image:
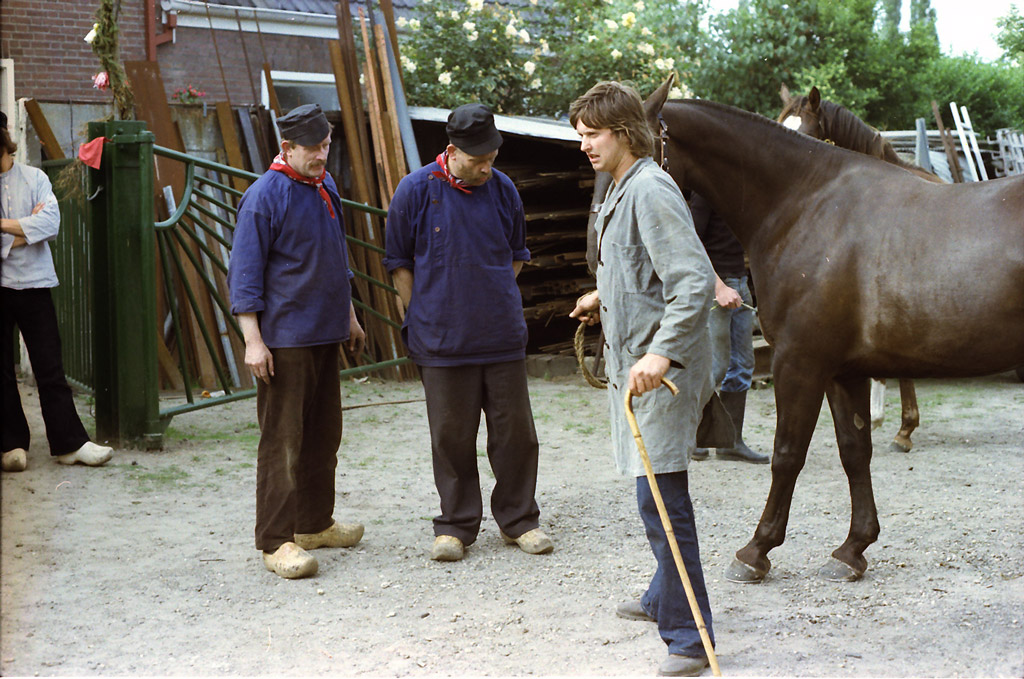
(802, 114)
(652, 109)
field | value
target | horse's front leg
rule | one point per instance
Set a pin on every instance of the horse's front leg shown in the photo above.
(848, 400)
(911, 417)
(798, 396)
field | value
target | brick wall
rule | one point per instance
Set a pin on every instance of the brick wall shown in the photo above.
(191, 59)
(52, 62)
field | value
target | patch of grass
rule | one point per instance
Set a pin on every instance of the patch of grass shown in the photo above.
(579, 428)
(157, 479)
(366, 461)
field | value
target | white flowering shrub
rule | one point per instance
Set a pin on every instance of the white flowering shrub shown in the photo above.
(537, 59)
(457, 51)
(638, 41)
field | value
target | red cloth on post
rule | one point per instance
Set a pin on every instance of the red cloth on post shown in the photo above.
(91, 152)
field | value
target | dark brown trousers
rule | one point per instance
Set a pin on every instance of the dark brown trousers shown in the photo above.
(455, 396)
(300, 425)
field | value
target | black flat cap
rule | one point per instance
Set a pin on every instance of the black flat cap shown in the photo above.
(471, 129)
(305, 125)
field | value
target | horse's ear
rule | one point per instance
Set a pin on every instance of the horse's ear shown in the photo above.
(785, 95)
(652, 107)
(814, 98)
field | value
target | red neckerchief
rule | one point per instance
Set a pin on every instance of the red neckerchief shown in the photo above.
(443, 173)
(280, 165)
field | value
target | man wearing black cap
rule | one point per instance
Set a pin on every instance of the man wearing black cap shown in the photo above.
(456, 240)
(290, 288)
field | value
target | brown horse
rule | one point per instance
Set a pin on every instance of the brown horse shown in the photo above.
(826, 230)
(831, 122)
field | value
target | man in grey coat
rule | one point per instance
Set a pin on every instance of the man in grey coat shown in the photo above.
(655, 287)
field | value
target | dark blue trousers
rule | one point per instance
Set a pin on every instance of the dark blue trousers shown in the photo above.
(455, 397)
(32, 311)
(665, 599)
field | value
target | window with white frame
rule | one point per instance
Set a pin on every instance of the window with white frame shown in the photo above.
(294, 88)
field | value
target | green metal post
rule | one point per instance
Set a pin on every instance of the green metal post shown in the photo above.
(124, 279)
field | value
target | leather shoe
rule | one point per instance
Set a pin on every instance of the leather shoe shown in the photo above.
(447, 548)
(291, 561)
(742, 453)
(15, 460)
(89, 454)
(532, 542)
(633, 610)
(337, 535)
(682, 666)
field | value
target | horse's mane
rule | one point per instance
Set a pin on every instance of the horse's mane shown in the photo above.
(844, 128)
(746, 115)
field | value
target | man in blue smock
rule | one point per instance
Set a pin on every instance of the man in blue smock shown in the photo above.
(456, 240)
(291, 291)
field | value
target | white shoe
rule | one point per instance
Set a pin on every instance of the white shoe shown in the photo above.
(89, 454)
(15, 460)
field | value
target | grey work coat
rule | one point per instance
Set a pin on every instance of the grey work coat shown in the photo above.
(656, 287)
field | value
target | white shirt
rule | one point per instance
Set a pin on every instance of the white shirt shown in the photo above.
(30, 266)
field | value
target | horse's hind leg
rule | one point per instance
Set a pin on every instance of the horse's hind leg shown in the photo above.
(848, 400)
(877, 403)
(797, 400)
(911, 417)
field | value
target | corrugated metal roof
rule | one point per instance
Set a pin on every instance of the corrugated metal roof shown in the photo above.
(525, 126)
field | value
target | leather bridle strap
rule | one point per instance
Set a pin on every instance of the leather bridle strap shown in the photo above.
(663, 139)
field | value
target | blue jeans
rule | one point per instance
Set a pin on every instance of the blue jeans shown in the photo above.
(732, 330)
(665, 599)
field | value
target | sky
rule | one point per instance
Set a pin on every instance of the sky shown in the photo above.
(964, 26)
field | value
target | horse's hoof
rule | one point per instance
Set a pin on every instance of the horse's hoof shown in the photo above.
(900, 445)
(837, 571)
(743, 573)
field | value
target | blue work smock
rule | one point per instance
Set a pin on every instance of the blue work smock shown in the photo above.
(289, 263)
(465, 307)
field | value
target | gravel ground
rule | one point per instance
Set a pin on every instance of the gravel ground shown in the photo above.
(146, 566)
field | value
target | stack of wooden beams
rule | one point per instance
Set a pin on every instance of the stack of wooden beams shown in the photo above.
(374, 177)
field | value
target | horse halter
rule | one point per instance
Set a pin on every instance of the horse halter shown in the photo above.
(663, 140)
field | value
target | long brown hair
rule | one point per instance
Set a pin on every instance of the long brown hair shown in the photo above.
(617, 107)
(8, 144)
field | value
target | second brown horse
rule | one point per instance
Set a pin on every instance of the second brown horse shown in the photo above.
(826, 230)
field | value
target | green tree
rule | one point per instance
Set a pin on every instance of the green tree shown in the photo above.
(753, 49)
(852, 51)
(890, 19)
(922, 20)
(1011, 35)
(992, 92)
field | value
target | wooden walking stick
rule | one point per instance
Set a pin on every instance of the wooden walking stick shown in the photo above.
(669, 533)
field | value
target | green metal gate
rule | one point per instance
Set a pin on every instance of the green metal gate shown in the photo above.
(72, 259)
(143, 303)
